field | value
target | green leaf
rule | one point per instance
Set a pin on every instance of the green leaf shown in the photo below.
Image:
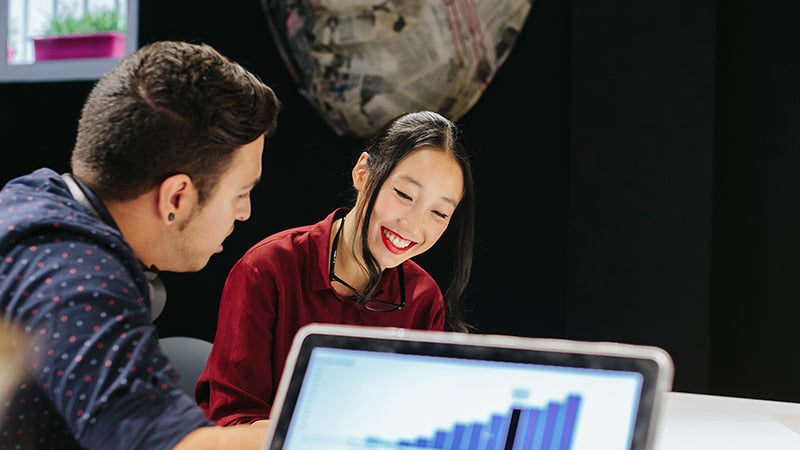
(100, 20)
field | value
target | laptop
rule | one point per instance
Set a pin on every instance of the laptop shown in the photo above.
(350, 387)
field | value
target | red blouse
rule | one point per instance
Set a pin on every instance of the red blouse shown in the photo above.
(279, 285)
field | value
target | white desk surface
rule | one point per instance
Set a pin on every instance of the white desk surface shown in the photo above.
(709, 422)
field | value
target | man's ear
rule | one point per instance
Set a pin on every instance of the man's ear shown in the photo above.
(176, 197)
(360, 171)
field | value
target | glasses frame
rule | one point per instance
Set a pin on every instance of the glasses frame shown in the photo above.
(387, 306)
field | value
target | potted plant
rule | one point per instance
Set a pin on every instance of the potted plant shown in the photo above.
(94, 34)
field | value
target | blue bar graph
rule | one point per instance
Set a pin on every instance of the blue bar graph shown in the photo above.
(551, 427)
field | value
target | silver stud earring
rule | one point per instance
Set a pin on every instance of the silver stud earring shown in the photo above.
(171, 217)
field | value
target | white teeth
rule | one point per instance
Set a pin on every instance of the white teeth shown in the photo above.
(395, 240)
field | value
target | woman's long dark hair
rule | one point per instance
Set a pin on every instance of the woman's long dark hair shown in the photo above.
(395, 141)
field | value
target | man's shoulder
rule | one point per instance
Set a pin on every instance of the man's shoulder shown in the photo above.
(38, 207)
(50, 242)
(36, 181)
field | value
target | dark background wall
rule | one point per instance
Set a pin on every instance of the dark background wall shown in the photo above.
(636, 168)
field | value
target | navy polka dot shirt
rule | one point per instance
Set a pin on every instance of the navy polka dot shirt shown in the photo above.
(97, 378)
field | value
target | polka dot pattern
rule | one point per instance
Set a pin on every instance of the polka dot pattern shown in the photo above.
(97, 376)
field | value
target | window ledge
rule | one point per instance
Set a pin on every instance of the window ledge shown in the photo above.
(66, 69)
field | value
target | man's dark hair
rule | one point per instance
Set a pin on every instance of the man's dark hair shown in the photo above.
(170, 107)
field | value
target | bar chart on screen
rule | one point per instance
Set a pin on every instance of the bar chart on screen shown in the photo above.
(354, 400)
(521, 428)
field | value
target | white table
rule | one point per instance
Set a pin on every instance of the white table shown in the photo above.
(708, 422)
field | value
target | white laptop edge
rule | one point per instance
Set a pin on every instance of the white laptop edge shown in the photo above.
(601, 348)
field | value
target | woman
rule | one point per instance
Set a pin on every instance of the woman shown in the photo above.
(353, 267)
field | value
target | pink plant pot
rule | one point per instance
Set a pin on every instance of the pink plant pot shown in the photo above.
(10, 52)
(76, 46)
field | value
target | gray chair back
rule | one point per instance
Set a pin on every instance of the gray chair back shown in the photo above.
(188, 355)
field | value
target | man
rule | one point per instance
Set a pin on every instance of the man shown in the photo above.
(169, 147)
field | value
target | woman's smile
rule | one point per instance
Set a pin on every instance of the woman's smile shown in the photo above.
(394, 242)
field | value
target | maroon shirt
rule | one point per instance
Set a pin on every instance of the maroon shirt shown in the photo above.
(279, 285)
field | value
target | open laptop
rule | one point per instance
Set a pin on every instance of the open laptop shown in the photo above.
(352, 387)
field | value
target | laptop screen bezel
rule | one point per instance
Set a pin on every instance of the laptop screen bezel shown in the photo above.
(652, 363)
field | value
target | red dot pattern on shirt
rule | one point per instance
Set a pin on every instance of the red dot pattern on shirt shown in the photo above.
(93, 300)
(94, 339)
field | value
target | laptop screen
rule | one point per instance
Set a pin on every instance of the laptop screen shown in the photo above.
(474, 392)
